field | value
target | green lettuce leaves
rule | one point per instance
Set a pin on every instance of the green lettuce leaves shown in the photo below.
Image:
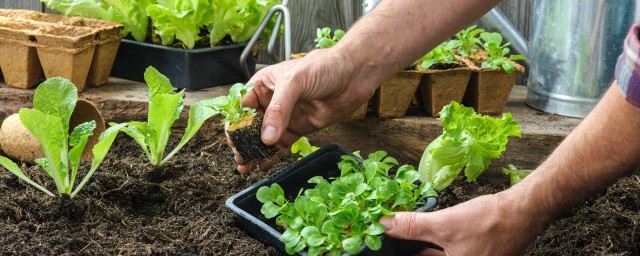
(165, 107)
(54, 101)
(469, 141)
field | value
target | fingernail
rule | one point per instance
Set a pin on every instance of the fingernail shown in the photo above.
(387, 222)
(269, 134)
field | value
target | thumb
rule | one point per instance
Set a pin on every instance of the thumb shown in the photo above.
(278, 113)
(408, 226)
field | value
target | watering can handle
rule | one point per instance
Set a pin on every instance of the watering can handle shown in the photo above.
(283, 12)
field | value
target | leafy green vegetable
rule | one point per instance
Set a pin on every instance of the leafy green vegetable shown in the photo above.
(324, 38)
(176, 19)
(339, 216)
(468, 41)
(302, 147)
(492, 43)
(165, 107)
(443, 53)
(230, 106)
(131, 13)
(54, 101)
(468, 141)
(515, 174)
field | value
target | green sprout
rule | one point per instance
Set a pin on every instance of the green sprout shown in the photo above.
(324, 38)
(492, 43)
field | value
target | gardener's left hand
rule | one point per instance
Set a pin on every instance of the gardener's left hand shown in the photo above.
(487, 225)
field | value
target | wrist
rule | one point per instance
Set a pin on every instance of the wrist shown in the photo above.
(526, 207)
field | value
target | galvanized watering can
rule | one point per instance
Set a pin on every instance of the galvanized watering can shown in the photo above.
(572, 52)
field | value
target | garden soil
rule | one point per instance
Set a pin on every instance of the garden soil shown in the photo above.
(129, 208)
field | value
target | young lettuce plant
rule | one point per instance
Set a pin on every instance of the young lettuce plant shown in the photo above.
(442, 54)
(244, 124)
(515, 174)
(54, 101)
(165, 107)
(303, 148)
(492, 43)
(324, 38)
(468, 41)
(340, 216)
(469, 141)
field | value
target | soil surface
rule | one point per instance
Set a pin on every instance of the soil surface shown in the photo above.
(129, 208)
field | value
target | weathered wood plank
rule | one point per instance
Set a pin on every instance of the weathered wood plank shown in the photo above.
(21, 4)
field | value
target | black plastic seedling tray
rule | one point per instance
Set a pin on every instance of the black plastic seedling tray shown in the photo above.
(321, 163)
(189, 69)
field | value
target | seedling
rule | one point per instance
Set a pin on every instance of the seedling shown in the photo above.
(492, 43)
(324, 38)
(54, 101)
(468, 141)
(302, 147)
(515, 174)
(165, 107)
(245, 124)
(442, 54)
(468, 41)
(339, 216)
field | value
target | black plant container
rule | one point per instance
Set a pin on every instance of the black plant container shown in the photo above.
(188, 69)
(320, 163)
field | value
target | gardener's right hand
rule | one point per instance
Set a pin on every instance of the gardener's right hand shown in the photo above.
(304, 95)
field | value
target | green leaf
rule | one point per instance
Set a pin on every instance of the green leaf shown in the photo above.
(199, 113)
(516, 175)
(142, 134)
(373, 242)
(161, 117)
(50, 133)
(157, 82)
(270, 210)
(13, 168)
(78, 141)
(303, 147)
(352, 245)
(374, 229)
(100, 151)
(309, 231)
(57, 97)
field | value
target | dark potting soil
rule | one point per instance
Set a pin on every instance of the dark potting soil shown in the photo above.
(445, 66)
(129, 208)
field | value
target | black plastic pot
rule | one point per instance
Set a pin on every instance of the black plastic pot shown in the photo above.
(321, 163)
(189, 69)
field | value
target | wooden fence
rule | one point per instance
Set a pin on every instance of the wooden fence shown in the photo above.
(307, 15)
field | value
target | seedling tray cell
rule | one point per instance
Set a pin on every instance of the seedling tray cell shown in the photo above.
(323, 163)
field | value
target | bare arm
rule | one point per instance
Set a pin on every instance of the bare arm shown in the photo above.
(605, 146)
(305, 95)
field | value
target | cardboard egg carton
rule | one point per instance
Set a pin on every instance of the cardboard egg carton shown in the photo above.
(79, 49)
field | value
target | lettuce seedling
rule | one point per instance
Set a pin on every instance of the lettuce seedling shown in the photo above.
(245, 124)
(492, 43)
(443, 54)
(302, 147)
(54, 101)
(515, 174)
(165, 107)
(468, 41)
(468, 141)
(324, 38)
(339, 216)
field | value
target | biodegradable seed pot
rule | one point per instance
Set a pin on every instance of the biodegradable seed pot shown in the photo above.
(394, 95)
(489, 89)
(245, 136)
(439, 87)
(20, 65)
(17, 142)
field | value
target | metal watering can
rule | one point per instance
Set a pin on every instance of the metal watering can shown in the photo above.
(572, 52)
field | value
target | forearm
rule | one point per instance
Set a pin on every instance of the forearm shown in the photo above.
(399, 31)
(605, 146)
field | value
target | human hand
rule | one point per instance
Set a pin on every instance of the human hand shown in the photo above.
(301, 96)
(486, 225)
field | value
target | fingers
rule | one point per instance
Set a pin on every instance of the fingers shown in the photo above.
(409, 226)
(278, 113)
